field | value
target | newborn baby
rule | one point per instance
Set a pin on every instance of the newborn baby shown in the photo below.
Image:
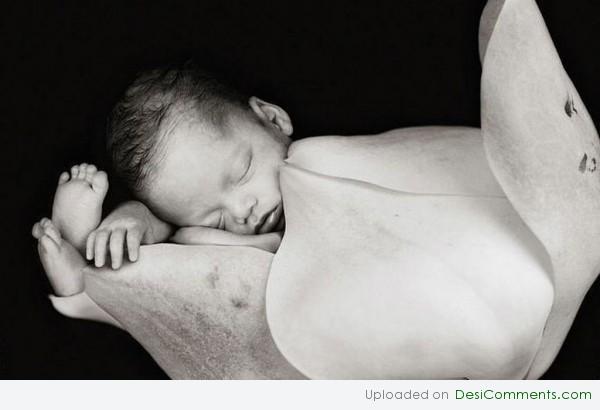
(199, 155)
(434, 252)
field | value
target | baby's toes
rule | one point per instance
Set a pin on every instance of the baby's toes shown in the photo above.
(82, 171)
(64, 177)
(74, 171)
(90, 171)
(100, 182)
(37, 231)
(44, 222)
(47, 245)
(51, 231)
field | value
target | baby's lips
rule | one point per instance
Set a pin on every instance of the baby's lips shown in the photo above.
(272, 220)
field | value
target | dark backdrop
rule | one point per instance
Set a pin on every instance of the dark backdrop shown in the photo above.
(337, 67)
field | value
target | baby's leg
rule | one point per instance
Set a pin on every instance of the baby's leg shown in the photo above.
(76, 211)
(64, 268)
(61, 261)
(77, 207)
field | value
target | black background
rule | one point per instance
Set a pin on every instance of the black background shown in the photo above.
(338, 67)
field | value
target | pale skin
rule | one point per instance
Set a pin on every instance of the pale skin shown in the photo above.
(218, 189)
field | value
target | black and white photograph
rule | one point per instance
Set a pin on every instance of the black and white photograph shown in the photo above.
(334, 190)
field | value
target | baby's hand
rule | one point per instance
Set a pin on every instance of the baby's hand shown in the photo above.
(199, 235)
(122, 228)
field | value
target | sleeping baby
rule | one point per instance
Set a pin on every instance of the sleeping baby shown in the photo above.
(426, 252)
(202, 158)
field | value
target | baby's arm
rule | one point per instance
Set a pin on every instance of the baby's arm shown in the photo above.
(132, 224)
(199, 235)
(129, 226)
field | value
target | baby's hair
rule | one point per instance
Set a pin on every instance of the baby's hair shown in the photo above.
(135, 125)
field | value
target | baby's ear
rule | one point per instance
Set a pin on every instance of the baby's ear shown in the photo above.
(272, 114)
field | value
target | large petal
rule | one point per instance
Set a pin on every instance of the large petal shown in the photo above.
(198, 310)
(375, 283)
(543, 149)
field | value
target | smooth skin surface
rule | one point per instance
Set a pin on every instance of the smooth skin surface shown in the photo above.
(224, 178)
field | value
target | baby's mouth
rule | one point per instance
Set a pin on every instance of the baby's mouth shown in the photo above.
(272, 220)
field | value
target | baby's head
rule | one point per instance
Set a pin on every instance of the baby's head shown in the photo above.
(200, 153)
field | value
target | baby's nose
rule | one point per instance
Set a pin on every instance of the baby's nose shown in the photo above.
(244, 213)
(240, 221)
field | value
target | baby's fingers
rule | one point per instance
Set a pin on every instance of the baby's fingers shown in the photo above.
(133, 244)
(89, 246)
(117, 240)
(100, 248)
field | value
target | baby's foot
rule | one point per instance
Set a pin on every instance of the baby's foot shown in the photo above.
(61, 261)
(77, 208)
